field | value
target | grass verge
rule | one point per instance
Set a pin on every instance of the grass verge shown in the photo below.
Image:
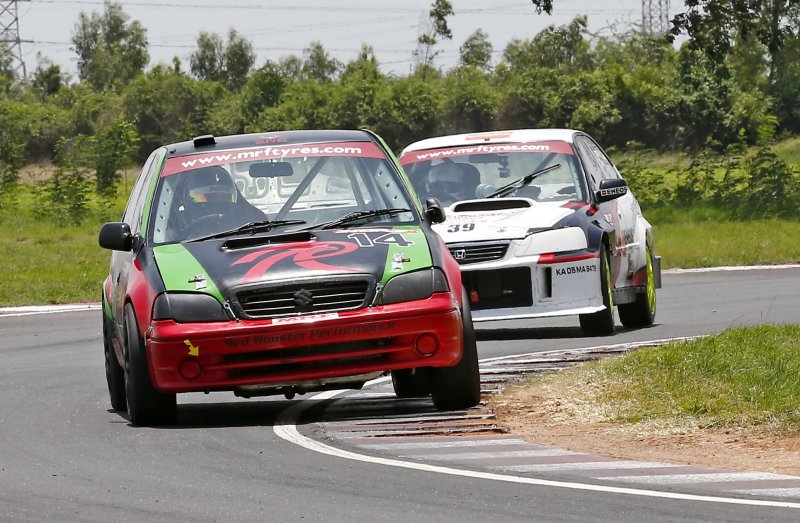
(45, 261)
(726, 242)
(744, 378)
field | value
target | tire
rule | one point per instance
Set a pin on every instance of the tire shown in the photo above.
(459, 386)
(146, 405)
(411, 383)
(642, 312)
(601, 323)
(115, 375)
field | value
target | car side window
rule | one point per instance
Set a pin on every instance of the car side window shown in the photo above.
(606, 167)
(590, 164)
(133, 212)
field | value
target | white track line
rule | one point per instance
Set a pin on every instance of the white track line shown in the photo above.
(285, 428)
(734, 268)
(29, 310)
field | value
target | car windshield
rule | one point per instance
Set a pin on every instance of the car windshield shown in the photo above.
(279, 188)
(453, 174)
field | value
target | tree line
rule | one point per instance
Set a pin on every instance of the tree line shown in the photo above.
(735, 80)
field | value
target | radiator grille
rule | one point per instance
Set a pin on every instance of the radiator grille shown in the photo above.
(478, 252)
(310, 297)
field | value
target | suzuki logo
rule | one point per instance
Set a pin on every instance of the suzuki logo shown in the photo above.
(303, 300)
(459, 254)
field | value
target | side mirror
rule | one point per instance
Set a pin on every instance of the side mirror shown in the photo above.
(116, 236)
(270, 169)
(434, 211)
(611, 190)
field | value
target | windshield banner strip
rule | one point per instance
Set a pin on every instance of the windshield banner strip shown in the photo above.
(271, 152)
(451, 152)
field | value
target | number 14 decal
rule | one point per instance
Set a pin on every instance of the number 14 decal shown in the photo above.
(463, 227)
(389, 238)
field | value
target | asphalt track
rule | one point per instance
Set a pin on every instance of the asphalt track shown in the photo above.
(65, 457)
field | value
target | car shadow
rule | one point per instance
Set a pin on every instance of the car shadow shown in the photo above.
(528, 333)
(268, 413)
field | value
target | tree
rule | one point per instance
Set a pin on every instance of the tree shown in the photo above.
(361, 96)
(471, 101)
(263, 89)
(564, 47)
(48, 78)
(440, 10)
(111, 50)
(229, 63)
(206, 63)
(476, 51)
(713, 26)
(7, 73)
(318, 64)
(543, 6)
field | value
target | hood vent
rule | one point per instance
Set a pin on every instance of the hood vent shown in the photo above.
(267, 239)
(494, 204)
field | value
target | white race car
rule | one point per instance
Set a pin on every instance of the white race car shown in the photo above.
(542, 224)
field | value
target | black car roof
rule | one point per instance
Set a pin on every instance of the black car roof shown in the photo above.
(212, 143)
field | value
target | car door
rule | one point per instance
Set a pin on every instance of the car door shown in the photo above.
(121, 262)
(616, 212)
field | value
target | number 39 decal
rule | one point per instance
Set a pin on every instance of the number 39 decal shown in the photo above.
(463, 227)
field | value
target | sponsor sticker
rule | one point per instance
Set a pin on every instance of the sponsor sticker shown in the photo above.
(613, 191)
(318, 334)
(270, 152)
(578, 269)
(500, 148)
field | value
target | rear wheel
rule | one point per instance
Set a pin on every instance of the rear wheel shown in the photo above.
(459, 386)
(146, 405)
(411, 383)
(115, 375)
(601, 323)
(641, 312)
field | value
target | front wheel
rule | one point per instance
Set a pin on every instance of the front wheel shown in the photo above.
(411, 383)
(459, 386)
(642, 312)
(146, 405)
(601, 323)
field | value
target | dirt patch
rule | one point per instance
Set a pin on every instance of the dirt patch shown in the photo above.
(545, 415)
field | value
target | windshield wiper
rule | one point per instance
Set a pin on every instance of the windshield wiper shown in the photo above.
(522, 182)
(356, 216)
(250, 227)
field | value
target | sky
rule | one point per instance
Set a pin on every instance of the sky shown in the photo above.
(278, 29)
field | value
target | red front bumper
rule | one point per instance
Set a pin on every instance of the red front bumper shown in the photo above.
(188, 357)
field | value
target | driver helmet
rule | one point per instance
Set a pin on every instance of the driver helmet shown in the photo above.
(209, 190)
(446, 183)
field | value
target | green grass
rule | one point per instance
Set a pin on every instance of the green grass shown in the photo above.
(744, 377)
(726, 242)
(789, 150)
(43, 262)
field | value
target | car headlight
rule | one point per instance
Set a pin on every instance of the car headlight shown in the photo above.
(553, 240)
(417, 285)
(188, 307)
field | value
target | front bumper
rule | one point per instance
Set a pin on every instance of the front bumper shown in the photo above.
(537, 286)
(306, 349)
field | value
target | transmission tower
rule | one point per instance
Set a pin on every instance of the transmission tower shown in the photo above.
(655, 16)
(9, 33)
